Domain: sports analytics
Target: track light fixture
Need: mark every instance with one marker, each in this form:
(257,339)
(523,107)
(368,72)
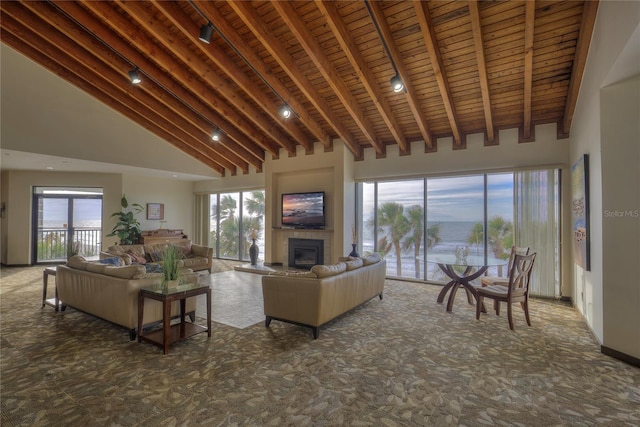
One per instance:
(134,75)
(285,111)
(216,135)
(206,31)
(396,84)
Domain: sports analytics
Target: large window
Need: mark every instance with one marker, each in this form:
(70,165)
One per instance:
(236,219)
(472,214)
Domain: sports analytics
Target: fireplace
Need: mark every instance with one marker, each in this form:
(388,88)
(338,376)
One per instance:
(305,253)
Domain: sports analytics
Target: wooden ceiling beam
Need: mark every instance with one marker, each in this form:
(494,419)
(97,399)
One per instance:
(529,27)
(176,15)
(313,49)
(589,11)
(231,36)
(377,15)
(150,95)
(52,48)
(431,41)
(252,20)
(482,68)
(251,144)
(363,72)
(138,12)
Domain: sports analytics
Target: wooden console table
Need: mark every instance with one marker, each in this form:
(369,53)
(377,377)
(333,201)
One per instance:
(162,235)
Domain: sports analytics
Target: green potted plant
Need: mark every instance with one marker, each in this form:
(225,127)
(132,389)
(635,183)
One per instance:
(128,228)
(170,258)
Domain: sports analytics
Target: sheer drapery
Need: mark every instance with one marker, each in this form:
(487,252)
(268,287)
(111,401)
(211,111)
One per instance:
(202,220)
(536,226)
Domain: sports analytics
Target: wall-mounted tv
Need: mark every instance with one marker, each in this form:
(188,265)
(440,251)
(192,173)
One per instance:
(303,210)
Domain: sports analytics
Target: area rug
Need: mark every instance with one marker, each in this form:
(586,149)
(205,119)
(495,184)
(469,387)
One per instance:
(236,299)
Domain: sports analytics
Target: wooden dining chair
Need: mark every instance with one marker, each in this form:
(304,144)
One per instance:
(517,289)
(500,280)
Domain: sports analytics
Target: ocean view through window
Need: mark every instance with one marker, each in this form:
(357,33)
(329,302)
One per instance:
(406,220)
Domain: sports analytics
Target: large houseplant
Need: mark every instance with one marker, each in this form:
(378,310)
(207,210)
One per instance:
(128,228)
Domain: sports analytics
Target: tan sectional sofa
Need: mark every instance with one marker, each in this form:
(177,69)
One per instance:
(195,257)
(316,297)
(111,293)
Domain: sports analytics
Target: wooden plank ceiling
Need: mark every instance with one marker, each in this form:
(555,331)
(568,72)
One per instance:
(468,67)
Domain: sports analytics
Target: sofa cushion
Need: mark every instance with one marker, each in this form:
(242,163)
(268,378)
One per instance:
(96,267)
(126,272)
(354,264)
(371,259)
(153,256)
(113,261)
(78,262)
(294,273)
(329,270)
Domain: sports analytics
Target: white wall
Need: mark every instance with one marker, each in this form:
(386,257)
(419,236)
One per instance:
(17,191)
(616,24)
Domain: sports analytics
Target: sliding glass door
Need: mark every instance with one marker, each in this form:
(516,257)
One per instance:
(408,220)
(66,221)
(235,219)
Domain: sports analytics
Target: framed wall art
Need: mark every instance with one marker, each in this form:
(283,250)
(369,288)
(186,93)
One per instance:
(155,211)
(580,212)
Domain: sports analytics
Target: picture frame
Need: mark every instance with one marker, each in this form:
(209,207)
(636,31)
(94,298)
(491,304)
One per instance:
(580,212)
(155,211)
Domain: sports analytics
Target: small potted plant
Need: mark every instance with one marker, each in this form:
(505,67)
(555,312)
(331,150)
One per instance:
(170,260)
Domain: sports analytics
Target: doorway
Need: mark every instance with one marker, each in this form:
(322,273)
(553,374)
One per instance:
(66,221)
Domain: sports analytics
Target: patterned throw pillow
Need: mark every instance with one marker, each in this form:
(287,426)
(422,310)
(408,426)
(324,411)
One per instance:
(113,261)
(139,259)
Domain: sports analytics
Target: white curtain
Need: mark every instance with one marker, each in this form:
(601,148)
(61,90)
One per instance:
(202,220)
(536,222)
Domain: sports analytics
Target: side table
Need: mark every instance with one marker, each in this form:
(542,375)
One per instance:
(53,302)
(170,334)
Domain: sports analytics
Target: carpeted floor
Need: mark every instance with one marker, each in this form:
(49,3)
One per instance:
(402,361)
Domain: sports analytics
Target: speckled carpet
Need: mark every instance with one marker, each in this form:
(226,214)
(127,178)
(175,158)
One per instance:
(402,361)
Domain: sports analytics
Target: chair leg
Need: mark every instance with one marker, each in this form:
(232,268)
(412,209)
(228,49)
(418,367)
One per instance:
(496,306)
(509,315)
(525,306)
(479,305)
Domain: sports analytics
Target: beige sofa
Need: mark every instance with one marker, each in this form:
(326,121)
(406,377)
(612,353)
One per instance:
(314,298)
(195,257)
(111,293)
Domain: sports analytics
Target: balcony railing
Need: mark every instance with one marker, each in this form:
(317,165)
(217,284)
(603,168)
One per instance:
(53,243)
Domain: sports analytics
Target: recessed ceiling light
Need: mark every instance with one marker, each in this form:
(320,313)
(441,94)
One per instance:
(49,167)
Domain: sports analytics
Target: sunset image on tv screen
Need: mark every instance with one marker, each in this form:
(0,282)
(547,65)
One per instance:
(303,209)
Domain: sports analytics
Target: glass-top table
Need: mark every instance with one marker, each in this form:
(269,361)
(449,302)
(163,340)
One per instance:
(451,264)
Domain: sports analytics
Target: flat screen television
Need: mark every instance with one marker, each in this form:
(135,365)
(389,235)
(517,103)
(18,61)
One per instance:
(303,210)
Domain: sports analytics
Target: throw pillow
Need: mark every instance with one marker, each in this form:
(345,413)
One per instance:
(153,268)
(139,259)
(114,261)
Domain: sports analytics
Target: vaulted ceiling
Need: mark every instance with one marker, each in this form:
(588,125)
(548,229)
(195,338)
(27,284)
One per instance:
(468,67)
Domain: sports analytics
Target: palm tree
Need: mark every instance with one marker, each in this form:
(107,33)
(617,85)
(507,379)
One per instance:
(393,226)
(255,204)
(229,227)
(500,235)
(433,235)
(415,215)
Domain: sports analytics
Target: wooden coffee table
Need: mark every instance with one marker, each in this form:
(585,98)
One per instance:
(170,334)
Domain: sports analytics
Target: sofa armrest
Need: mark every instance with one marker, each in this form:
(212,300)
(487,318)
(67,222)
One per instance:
(203,251)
